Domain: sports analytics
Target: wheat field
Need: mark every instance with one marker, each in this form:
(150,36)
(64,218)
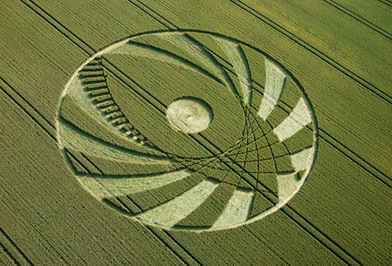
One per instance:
(227,132)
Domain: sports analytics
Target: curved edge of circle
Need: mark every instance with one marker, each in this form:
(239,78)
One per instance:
(273,209)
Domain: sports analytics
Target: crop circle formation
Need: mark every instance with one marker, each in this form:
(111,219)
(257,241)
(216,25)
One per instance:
(189,115)
(187,130)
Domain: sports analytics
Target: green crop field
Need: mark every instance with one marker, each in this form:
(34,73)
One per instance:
(227,132)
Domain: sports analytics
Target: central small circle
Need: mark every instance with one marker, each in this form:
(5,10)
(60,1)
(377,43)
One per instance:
(189,115)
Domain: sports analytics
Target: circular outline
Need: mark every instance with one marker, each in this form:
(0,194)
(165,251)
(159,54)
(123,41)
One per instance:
(295,80)
(198,101)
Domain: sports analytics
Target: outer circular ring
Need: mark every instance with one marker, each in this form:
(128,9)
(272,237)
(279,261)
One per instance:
(287,72)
